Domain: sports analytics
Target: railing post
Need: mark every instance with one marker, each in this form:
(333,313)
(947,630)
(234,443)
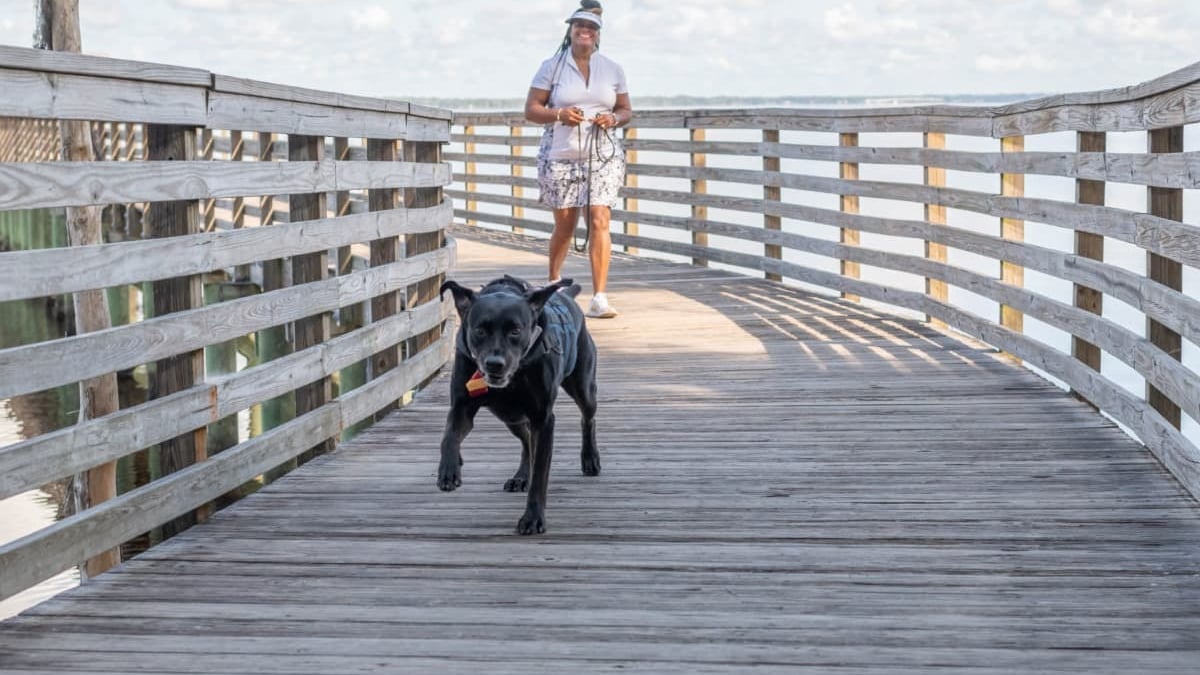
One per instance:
(383,252)
(1088,245)
(468,171)
(1165,203)
(772,194)
(174,374)
(350,317)
(935,214)
(515,151)
(416,244)
(699,187)
(307,268)
(274,342)
(630,204)
(849,204)
(1012,185)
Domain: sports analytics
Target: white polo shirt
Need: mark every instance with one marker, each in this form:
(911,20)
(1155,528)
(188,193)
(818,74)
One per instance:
(595,96)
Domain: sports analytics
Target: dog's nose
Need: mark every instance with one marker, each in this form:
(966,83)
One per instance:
(494,365)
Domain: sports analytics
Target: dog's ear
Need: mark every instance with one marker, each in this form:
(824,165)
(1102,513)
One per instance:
(520,283)
(537,299)
(463,297)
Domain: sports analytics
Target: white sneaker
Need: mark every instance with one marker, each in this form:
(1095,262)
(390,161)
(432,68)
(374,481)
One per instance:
(599,308)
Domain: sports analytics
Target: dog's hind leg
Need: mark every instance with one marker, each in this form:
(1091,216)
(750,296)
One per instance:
(581,387)
(520,479)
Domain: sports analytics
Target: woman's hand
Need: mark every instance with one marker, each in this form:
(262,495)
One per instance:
(571,117)
(606,120)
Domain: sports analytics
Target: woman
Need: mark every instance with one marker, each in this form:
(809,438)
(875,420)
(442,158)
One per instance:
(581,96)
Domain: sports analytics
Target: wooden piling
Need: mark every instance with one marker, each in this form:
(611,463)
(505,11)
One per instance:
(383,252)
(170,219)
(308,268)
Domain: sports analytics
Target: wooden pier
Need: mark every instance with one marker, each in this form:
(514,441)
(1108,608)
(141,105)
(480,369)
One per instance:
(791,484)
(828,445)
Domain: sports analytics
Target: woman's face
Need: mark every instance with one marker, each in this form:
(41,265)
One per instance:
(585,34)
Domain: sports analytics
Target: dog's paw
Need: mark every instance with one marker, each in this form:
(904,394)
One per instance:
(518,483)
(531,523)
(591,463)
(449,476)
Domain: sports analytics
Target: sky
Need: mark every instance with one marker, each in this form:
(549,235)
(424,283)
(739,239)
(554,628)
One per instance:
(489,49)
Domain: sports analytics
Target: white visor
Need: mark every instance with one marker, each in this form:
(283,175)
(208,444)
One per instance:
(584,15)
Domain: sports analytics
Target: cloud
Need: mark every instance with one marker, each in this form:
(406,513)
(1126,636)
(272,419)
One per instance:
(1009,63)
(371,17)
(205,5)
(845,23)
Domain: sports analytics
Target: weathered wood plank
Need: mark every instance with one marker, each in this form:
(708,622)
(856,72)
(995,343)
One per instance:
(270,90)
(49,184)
(239,111)
(74,64)
(37,366)
(40,272)
(46,552)
(82,97)
(895,529)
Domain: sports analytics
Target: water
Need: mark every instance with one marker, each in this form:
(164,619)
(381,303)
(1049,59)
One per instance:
(21,515)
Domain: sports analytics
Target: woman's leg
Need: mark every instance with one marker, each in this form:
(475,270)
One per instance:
(560,239)
(601,247)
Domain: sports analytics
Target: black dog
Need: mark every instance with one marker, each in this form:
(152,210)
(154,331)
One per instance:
(515,347)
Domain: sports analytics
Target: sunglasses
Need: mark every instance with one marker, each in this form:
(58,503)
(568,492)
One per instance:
(586,25)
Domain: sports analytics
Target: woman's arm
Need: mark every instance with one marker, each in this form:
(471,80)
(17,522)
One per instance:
(537,112)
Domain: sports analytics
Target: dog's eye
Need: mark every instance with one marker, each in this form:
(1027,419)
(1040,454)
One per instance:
(479,332)
(515,332)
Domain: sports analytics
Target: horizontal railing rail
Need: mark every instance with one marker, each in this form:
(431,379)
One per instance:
(939,210)
(271,257)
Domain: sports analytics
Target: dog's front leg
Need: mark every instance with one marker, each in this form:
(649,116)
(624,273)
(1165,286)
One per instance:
(520,479)
(459,422)
(542,436)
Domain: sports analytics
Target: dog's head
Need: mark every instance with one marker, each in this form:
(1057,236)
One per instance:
(500,323)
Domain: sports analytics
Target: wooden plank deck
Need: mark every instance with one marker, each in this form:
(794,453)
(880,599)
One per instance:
(791,484)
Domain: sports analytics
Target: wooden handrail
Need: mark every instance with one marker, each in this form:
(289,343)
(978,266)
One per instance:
(263,230)
(779,223)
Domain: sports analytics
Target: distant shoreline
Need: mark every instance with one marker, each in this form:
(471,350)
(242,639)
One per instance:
(662,102)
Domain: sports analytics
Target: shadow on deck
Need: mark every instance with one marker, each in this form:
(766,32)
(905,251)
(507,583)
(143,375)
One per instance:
(791,484)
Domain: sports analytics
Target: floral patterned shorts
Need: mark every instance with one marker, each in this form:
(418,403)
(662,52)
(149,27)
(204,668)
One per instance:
(563,183)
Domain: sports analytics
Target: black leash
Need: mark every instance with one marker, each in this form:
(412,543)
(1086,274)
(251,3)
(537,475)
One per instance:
(592,148)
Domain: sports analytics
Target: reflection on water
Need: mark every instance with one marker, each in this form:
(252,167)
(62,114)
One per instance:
(21,417)
(19,516)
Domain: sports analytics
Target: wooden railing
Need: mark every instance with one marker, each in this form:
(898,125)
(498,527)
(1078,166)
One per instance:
(926,209)
(259,239)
